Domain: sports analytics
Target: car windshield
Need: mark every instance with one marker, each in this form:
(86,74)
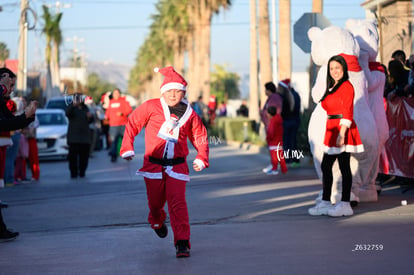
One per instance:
(57,104)
(51,119)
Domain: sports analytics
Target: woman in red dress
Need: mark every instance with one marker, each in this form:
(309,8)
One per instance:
(341,138)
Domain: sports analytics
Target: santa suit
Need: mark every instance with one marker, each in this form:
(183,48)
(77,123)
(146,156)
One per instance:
(339,107)
(166,181)
(274,139)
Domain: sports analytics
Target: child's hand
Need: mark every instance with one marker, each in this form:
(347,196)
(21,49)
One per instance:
(198,165)
(128,158)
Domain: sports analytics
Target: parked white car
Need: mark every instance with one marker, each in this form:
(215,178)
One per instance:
(51,133)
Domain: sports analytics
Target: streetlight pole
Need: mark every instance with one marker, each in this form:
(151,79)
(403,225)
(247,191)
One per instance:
(274,44)
(22,56)
(75,39)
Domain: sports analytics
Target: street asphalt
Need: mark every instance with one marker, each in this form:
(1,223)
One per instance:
(242,222)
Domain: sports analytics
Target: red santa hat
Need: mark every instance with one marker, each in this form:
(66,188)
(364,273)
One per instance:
(285,83)
(172,79)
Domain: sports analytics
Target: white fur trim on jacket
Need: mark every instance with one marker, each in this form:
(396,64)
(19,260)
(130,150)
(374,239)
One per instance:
(149,175)
(128,154)
(345,122)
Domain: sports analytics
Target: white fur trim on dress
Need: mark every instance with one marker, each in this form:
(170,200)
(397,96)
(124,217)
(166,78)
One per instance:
(172,86)
(345,122)
(128,154)
(347,148)
(200,164)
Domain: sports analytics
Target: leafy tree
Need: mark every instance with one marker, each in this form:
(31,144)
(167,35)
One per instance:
(4,53)
(180,28)
(96,86)
(53,33)
(224,84)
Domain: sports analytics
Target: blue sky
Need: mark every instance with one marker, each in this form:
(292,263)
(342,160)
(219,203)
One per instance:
(111,30)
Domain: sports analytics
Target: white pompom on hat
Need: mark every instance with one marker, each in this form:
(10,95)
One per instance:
(172,80)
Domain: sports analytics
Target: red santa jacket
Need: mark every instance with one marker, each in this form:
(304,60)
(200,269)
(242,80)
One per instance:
(341,105)
(274,132)
(152,114)
(116,106)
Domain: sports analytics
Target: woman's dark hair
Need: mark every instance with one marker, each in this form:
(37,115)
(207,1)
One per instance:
(330,82)
(399,55)
(270,86)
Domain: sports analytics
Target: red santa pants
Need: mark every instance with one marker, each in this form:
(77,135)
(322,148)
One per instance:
(172,191)
(276,157)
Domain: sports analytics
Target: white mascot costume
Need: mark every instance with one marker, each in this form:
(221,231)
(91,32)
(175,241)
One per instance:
(326,43)
(366,34)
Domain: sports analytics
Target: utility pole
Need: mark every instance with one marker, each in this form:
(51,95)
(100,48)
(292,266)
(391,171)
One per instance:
(75,40)
(275,57)
(317,7)
(22,56)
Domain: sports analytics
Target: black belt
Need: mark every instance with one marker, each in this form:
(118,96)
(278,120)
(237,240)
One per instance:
(166,162)
(335,116)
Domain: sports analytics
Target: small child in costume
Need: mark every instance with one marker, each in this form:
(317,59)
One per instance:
(274,138)
(168,121)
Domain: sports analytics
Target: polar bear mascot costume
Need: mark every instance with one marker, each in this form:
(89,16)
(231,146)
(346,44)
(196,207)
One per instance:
(366,34)
(326,43)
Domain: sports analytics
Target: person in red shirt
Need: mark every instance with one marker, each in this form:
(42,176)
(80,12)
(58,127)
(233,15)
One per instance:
(169,122)
(117,114)
(274,138)
(340,140)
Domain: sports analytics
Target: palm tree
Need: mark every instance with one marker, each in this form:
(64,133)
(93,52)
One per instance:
(4,54)
(254,87)
(57,41)
(201,12)
(51,30)
(285,44)
(264,47)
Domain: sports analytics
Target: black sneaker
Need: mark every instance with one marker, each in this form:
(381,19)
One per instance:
(3,205)
(162,232)
(8,235)
(182,249)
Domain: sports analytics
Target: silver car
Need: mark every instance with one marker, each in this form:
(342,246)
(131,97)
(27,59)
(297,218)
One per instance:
(51,133)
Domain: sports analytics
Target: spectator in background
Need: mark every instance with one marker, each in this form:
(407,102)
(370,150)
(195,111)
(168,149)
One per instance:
(291,119)
(7,81)
(117,114)
(105,98)
(78,136)
(30,132)
(243,110)
(8,122)
(273,99)
(212,107)
(23,150)
(201,109)
(274,139)
(222,109)
(398,75)
(409,88)
(13,149)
